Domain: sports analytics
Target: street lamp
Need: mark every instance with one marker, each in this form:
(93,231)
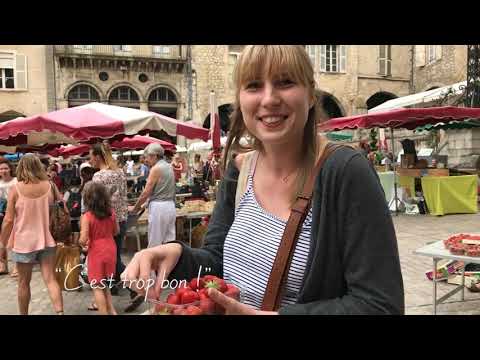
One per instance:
(472,98)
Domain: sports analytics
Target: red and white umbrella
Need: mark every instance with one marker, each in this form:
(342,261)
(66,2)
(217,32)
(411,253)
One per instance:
(135,143)
(90,121)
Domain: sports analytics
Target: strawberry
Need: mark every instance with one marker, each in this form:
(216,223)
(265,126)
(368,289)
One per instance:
(181,289)
(207,305)
(233,292)
(189,297)
(196,284)
(203,291)
(216,283)
(173,299)
(193,310)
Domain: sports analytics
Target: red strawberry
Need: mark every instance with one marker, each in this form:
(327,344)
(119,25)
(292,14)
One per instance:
(203,291)
(193,310)
(181,289)
(233,292)
(189,297)
(216,283)
(196,284)
(207,305)
(173,299)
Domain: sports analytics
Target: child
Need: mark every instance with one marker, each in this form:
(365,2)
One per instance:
(98,227)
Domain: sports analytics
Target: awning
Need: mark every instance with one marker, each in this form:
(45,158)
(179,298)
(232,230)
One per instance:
(339,136)
(422,98)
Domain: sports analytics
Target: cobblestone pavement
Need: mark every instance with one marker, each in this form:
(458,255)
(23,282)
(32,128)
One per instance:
(412,233)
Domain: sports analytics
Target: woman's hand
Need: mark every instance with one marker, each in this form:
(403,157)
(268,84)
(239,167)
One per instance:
(234,307)
(161,259)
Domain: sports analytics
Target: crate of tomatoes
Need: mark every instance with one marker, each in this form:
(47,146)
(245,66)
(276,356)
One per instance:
(192,298)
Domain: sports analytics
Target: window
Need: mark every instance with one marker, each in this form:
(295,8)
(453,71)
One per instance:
(161,49)
(83,47)
(434,53)
(232,60)
(83,92)
(162,94)
(121,48)
(124,93)
(312,50)
(333,58)
(385,60)
(13,71)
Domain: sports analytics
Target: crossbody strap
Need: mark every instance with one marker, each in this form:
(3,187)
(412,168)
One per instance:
(281,265)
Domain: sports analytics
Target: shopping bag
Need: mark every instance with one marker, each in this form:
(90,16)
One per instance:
(68,267)
(60,222)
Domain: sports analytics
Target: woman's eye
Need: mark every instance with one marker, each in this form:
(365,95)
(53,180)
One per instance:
(285,83)
(252,85)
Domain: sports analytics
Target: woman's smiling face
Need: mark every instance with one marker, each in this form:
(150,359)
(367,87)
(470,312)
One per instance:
(275,109)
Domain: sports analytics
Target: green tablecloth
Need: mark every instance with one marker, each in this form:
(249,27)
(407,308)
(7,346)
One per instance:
(407,182)
(387,180)
(450,194)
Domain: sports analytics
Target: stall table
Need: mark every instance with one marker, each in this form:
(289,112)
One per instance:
(438,252)
(387,180)
(450,194)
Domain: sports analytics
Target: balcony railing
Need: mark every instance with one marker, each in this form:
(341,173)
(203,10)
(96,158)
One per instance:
(174,52)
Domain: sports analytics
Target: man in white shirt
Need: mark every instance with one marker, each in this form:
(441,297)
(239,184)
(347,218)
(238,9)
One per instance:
(130,164)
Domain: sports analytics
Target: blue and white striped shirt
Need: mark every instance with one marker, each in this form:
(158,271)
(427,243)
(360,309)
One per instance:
(251,246)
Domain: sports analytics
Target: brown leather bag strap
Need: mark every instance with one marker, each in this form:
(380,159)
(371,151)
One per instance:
(281,265)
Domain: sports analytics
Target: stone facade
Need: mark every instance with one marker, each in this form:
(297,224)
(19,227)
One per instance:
(32,97)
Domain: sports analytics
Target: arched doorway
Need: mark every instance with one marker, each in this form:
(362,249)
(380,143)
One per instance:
(330,105)
(224,112)
(163,101)
(124,96)
(82,94)
(379,98)
(10,115)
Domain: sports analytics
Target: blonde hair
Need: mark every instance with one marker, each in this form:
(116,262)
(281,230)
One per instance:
(269,61)
(103,150)
(31,170)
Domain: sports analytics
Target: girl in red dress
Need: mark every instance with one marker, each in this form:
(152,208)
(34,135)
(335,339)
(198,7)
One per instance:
(98,227)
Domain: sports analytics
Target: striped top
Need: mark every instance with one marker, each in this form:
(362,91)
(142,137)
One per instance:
(251,246)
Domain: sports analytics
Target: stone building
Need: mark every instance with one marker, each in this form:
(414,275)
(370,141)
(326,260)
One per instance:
(26,80)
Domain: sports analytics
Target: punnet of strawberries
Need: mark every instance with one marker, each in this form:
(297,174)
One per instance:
(457,244)
(192,298)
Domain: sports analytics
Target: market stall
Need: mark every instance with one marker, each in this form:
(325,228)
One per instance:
(405,119)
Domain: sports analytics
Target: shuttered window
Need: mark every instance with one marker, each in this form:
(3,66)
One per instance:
(385,60)
(333,58)
(13,71)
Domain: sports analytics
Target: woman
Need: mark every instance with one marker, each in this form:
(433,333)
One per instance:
(160,193)
(197,168)
(26,228)
(114,179)
(7,180)
(346,258)
(177,167)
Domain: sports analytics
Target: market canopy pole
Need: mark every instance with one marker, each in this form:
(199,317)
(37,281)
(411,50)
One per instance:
(214,123)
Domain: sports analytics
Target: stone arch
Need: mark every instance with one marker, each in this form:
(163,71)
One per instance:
(330,105)
(224,112)
(165,85)
(432,86)
(141,98)
(83,82)
(10,115)
(379,98)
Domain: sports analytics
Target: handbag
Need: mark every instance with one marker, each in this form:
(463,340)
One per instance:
(68,267)
(59,223)
(283,259)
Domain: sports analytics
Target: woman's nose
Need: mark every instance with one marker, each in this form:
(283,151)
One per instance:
(270,96)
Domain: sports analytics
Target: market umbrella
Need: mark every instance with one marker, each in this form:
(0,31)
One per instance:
(402,118)
(135,143)
(89,122)
(452,125)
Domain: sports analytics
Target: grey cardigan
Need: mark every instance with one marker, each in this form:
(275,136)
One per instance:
(353,266)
